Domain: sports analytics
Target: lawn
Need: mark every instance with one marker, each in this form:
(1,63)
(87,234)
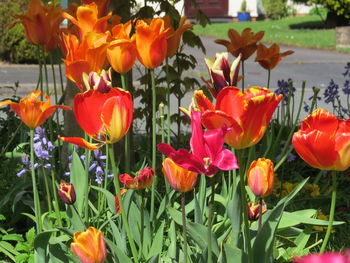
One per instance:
(304,31)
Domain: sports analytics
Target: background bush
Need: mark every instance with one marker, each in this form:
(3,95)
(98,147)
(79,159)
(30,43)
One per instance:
(275,9)
(13,45)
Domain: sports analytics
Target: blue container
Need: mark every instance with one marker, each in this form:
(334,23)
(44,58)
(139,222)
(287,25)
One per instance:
(243,16)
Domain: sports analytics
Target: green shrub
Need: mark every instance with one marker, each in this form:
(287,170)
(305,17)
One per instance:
(320,11)
(14,47)
(275,9)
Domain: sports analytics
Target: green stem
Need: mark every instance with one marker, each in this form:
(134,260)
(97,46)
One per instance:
(154,139)
(106,176)
(184,228)
(268,78)
(78,214)
(124,81)
(47,191)
(35,190)
(331,212)
(210,219)
(168,99)
(55,197)
(142,218)
(87,164)
(121,204)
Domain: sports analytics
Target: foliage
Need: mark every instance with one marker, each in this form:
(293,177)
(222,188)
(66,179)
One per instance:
(275,9)
(13,45)
(243,6)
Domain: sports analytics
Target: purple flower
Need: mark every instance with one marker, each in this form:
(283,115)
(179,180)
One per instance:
(283,88)
(346,88)
(347,70)
(331,93)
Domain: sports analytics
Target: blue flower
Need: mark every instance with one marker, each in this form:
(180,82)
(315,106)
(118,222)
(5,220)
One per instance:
(331,92)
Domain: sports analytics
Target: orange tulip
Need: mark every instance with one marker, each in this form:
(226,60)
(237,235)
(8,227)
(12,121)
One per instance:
(101,4)
(143,180)
(83,57)
(246,43)
(323,141)
(269,57)
(179,179)
(261,177)
(121,52)
(41,24)
(247,114)
(173,41)
(151,42)
(104,116)
(87,19)
(89,246)
(33,112)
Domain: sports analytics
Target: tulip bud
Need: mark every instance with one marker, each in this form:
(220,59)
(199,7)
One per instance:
(143,180)
(261,177)
(66,193)
(253,210)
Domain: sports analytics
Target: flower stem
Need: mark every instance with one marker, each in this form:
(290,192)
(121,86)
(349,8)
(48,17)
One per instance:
(35,190)
(268,78)
(331,212)
(78,214)
(87,164)
(210,219)
(260,214)
(154,139)
(55,197)
(242,75)
(184,228)
(121,204)
(49,204)
(168,99)
(127,137)
(141,223)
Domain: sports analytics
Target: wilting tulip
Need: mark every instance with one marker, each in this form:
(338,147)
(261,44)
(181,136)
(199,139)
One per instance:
(323,141)
(116,200)
(328,257)
(269,57)
(245,44)
(121,52)
(33,112)
(221,74)
(253,210)
(143,180)
(174,36)
(89,246)
(208,154)
(83,57)
(66,192)
(247,114)
(261,177)
(180,179)
(104,116)
(41,24)
(87,19)
(151,42)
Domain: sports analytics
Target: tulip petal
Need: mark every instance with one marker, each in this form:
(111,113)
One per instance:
(81,142)
(225,160)
(197,140)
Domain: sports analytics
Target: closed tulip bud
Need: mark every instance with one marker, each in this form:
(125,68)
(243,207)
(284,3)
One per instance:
(253,210)
(66,193)
(261,177)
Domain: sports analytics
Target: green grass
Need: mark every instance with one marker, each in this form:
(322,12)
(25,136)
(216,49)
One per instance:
(304,31)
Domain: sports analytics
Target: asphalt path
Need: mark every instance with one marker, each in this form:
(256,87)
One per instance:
(316,67)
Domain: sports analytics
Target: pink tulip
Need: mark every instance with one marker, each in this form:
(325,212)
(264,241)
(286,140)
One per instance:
(208,155)
(329,257)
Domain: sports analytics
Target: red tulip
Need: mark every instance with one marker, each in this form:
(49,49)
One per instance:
(143,180)
(323,141)
(253,210)
(66,192)
(247,114)
(208,154)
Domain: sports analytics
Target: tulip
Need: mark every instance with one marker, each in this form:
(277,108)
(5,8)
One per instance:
(180,179)
(89,246)
(83,57)
(208,154)
(41,24)
(33,112)
(329,257)
(101,82)
(221,74)
(253,210)
(261,177)
(174,36)
(104,116)
(66,192)
(246,114)
(102,5)
(116,200)
(245,44)
(323,141)
(121,52)
(143,180)
(268,58)
(151,42)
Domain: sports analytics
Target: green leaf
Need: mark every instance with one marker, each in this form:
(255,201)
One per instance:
(157,244)
(119,238)
(41,243)
(58,253)
(8,250)
(12,237)
(109,196)
(120,254)
(77,173)
(172,235)
(234,254)
(234,212)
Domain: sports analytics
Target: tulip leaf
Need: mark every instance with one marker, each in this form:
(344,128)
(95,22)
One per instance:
(119,238)
(109,196)
(77,173)
(157,244)
(41,243)
(163,204)
(234,254)
(116,250)
(234,211)
(263,244)
(58,253)
(172,235)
